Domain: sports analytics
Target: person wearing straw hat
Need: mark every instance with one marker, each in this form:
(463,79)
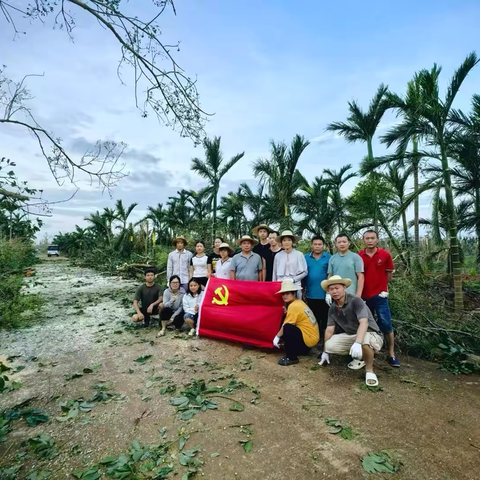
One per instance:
(299,331)
(361,337)
(246,265)
(263,249)
(178,262)
(290,264)
(224,263)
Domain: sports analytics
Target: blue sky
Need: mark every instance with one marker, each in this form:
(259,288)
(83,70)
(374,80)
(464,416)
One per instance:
(267,70)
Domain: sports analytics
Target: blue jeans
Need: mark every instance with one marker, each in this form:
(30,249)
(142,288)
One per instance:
(384,317)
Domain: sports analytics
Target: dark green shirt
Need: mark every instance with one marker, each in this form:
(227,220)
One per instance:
(147,295)
(347,317)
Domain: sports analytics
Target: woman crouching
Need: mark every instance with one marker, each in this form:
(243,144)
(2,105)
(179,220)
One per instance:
(300,330)
(191,304)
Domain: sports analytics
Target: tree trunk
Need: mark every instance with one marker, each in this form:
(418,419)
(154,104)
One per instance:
(215,193)
(374,193)
(416,207)
(452,228)
(405,234)
(477,215)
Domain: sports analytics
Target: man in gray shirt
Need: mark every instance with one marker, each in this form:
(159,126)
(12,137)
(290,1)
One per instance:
(246,265)
(360,337)
(346,264)
(178,262)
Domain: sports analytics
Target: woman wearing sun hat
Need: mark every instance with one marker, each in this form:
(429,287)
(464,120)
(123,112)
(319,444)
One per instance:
(224,263)
(300,330)
(290,264)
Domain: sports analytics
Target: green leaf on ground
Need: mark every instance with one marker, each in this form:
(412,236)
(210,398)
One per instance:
(169,389)
(379,462)
(39,475)
(216,454)
(247,445)
(143,359)
(71,376)
(237,407)
(376,388)
(188,414)
(43,446)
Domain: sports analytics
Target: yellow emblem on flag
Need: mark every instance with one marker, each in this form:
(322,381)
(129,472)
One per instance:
(222,293)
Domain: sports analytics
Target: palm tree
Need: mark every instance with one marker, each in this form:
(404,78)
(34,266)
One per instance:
(280,175)
(335,181)
(361,126)
(213,170)
(231,209)
(101,225)
(316,207)
(122,214)
(431,124)
(258,203)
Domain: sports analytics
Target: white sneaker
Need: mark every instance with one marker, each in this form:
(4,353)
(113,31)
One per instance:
(191,333)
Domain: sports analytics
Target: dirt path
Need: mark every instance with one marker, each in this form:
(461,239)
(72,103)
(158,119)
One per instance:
(427,419)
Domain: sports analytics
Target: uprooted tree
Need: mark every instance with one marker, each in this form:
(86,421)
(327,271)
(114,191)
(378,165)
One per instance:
(166,90)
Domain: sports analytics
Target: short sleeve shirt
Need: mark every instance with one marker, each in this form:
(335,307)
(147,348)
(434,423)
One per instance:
(376,268)
(199,265)
(300,315)
(317,272)
(247,268)
(147,295)
(223,268)
(347,266)
(212,260)
(348,315)
(265,252)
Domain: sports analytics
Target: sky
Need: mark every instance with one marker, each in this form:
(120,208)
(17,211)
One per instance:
(266,70)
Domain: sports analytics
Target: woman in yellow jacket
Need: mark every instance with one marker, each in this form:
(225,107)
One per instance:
(300,330)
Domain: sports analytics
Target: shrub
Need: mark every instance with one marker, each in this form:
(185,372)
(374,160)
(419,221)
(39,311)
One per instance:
(15,255)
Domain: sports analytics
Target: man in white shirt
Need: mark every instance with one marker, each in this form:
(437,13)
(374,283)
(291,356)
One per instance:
(178,262)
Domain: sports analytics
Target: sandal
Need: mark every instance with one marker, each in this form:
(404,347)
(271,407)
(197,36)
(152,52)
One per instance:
(161,333)
(369,377)
(356,364)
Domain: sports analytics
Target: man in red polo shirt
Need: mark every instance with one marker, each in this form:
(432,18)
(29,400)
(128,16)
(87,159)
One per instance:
(378,266)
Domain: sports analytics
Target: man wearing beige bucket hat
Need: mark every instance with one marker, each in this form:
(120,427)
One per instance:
(178,262)
(361,338)
(290,264)
(246,265)
(299,331)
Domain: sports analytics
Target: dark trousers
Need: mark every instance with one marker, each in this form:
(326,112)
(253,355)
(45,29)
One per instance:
(320,309)
(294,344)
(146,320)
(166,314)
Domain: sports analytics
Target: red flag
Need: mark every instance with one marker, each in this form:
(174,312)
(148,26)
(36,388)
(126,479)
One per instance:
(246,312)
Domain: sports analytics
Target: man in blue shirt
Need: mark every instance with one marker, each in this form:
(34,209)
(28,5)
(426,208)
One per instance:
(317,264)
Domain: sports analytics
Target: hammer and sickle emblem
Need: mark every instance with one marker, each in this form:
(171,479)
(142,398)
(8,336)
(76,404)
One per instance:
(223,297)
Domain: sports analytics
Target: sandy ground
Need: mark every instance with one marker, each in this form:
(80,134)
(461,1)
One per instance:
(427,419)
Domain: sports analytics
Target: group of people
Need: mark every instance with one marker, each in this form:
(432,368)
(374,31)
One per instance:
(330,300)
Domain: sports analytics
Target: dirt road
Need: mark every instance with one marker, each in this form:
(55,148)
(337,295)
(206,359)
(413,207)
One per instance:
(428,420)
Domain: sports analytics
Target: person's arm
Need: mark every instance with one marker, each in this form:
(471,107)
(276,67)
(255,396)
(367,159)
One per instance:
(274,274)
(360,283)
(159,299)
(362,330)
(180,308)
(329,331)
(169,267)
(330,267)
(264,270)
(137,308)
(302,268)
(233,269)
(191,268)
(209,270)
(389,268)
